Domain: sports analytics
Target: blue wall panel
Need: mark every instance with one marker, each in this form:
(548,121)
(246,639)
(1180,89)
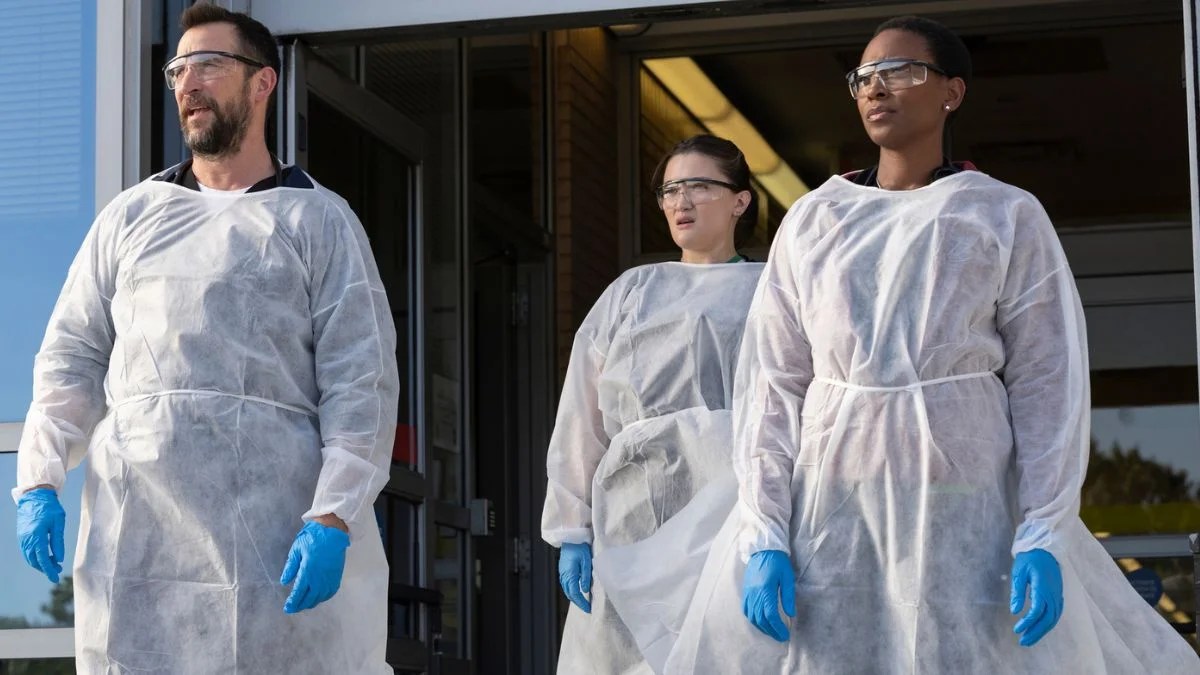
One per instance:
(47,171)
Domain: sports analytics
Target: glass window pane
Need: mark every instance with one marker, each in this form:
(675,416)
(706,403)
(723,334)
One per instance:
(399,526)
(446,466)
(29,599)
(344,58)
(505,127)
(1167,584)
(38,667)
(418,78)
(374,179)
(1144,471)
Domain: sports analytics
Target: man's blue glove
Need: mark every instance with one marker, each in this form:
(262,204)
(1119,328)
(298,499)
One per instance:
(769,576)
(40,525)
(315,562)
(1037,570)
(575,573)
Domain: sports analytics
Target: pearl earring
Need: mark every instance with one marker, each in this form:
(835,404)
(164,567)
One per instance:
(947,106)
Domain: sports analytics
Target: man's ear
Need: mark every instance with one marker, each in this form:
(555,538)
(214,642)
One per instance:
(266,81)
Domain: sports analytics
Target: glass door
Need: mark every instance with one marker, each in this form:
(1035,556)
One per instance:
(357,144)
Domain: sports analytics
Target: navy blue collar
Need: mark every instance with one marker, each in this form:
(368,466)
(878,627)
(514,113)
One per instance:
(870,177)
(289,176)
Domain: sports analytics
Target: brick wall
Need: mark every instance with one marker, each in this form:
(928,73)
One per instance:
(585,178)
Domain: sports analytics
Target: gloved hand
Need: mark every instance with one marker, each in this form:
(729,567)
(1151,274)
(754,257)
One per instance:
(1037,570)
(769,576)
(575,573)
(315,562)
(41,521)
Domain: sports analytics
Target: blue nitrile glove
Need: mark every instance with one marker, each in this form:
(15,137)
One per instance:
(315,562)
(769,576)
(40,525)
(1037,570)
(575,573)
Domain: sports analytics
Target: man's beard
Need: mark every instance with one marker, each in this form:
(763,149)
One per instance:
(224,135)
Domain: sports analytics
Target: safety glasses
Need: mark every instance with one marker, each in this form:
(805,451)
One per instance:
(893,74)
(696,190)
(205,65)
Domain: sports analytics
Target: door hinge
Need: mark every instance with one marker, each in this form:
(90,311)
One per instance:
(520,308)
(522,552)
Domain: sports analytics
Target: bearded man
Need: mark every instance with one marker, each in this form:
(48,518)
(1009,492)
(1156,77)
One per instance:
(224,356)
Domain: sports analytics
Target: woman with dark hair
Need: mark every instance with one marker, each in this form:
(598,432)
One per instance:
(638,466)
(911,425)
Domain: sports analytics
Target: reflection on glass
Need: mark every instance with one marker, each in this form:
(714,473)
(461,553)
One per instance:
(417,78)
(1144,470)
(447,578)
(373,178)
(38,667)
(504,117)
(446,465)
(1165,583)
(29,600)
(342,57)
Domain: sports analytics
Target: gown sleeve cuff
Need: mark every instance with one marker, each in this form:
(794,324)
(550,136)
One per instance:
(1035,535)
(757,535)
(347,486)
(569,535)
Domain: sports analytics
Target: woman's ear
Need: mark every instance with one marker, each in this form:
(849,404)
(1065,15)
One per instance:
(741,203)
(956,90)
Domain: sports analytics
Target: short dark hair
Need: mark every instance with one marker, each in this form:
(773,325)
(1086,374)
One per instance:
(950,54)
(256,40)
(730,161)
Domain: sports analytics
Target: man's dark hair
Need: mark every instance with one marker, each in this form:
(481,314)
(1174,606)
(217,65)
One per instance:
(256,41)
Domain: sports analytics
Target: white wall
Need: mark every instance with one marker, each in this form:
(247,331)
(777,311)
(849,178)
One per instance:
(291,17)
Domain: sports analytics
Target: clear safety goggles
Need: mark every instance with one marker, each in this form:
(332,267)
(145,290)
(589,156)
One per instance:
(696,190)
(893,74)
(205,65)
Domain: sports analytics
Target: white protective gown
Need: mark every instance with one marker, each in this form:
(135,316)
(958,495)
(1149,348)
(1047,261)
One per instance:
(639,463)
(228,365)
(913,410)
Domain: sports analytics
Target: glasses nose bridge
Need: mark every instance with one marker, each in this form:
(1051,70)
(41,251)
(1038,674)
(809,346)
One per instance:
(867,86)
(675,199)
(684,193)
(875,84)
(184,73)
